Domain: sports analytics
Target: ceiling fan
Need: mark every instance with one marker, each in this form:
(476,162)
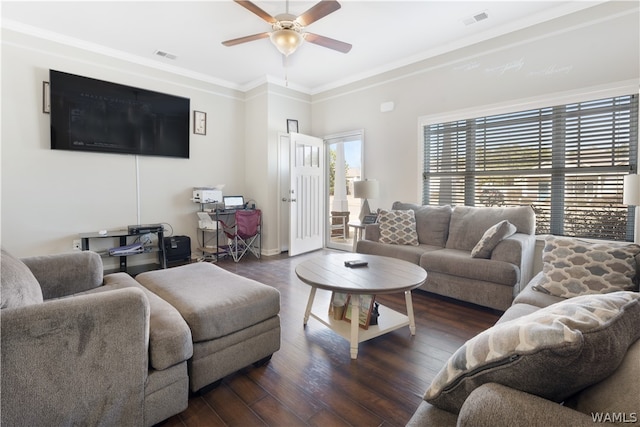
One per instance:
(288,31)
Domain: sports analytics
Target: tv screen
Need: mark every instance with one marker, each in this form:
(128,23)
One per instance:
(94,115)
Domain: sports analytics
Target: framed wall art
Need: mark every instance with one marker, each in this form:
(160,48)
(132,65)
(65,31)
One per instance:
(199,123)
(292,126)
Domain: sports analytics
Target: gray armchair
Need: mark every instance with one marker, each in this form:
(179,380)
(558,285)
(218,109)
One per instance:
(76,351)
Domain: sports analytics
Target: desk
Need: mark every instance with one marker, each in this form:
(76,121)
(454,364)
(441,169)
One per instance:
(227,217)
(122,235)
(358,232)
(383,275)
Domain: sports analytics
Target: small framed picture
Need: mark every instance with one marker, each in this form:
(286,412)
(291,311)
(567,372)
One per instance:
(199,123)
(292,126)
(46,100)
(366,307)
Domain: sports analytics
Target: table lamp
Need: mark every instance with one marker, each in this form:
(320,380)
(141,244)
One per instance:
(367,189)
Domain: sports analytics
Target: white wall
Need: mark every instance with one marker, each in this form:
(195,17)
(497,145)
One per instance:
(49,196)
(598,47)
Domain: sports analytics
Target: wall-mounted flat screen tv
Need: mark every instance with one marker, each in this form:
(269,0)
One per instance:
(95,115)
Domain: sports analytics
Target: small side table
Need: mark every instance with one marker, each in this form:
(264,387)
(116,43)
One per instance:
(358,232)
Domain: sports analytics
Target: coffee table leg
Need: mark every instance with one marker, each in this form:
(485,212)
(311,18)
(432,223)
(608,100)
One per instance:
(412,320)
(307,312)
(355,320)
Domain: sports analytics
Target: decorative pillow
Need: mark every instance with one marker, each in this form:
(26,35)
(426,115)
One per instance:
(19,287)
(398,227)
(553,352)
(491,238)
(573,267)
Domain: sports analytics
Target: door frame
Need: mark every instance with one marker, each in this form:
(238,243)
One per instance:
(327,141)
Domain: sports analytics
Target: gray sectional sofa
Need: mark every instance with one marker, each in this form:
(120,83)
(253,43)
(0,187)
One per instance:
(555,361)
(446,237)
(80,348)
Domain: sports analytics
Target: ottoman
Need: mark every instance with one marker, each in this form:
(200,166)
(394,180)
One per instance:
(234,321)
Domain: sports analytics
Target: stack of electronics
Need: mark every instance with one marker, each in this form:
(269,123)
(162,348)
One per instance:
(134,248)
(145,228)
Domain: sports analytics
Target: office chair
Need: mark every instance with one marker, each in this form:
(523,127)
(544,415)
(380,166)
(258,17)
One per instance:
(244,234)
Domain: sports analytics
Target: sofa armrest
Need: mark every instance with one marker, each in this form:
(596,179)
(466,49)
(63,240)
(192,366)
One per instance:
(517,249)
(66,274)
(495,405)
(76,361)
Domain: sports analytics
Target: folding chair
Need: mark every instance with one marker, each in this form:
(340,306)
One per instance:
(244,234)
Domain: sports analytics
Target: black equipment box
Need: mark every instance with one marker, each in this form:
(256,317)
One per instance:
(145,228)
(177,248)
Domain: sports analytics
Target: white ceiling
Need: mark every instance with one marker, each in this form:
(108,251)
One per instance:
(384,34)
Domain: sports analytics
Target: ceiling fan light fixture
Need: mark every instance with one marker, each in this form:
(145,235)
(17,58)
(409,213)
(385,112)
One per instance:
(286,41)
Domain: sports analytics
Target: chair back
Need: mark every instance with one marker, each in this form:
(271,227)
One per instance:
(247,222)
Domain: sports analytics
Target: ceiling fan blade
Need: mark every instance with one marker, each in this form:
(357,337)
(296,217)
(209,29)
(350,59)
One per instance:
(255,9)
(245,39)
(328,42)
(320,10)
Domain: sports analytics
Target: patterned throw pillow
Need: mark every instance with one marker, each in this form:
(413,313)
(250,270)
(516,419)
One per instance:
(491,238)
(553,352)
(398,227)
(573,267)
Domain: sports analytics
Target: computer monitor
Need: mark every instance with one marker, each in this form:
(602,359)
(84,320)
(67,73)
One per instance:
(233,202)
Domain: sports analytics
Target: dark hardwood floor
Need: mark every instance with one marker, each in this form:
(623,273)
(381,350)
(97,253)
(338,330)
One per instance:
(311,380)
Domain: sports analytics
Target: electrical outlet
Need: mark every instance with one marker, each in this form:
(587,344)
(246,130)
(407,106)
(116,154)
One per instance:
(77,245)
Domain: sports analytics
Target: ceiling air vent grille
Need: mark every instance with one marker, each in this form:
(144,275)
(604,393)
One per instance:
(165,54)
(475,18)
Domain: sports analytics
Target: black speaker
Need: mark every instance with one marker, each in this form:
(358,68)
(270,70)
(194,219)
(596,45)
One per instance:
(177,248)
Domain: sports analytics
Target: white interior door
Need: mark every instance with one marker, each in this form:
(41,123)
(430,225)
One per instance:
(306,194)
(284,187)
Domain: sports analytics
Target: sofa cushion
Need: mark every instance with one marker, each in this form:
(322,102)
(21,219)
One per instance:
(573,267)
(532,297)
(554,352)
(490,239)
(469,223)
(616,394)
(460,264)
(432,222)
(214,302)
(403,252)
(398,227)
(18,285)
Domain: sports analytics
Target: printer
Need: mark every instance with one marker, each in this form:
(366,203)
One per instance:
(206,195)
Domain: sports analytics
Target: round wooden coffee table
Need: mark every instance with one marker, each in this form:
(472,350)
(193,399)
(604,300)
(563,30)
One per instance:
(382,275)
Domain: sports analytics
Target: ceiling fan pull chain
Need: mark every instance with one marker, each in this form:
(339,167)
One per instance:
(286,71)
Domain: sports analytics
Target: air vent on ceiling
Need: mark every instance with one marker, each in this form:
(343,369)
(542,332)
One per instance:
(476,18)
(165,54)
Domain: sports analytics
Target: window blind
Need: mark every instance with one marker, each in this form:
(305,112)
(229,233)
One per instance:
(566,161)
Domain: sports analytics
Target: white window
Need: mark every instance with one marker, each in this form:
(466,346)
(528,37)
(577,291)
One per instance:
(567,162)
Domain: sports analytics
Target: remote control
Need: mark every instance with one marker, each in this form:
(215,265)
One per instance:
(355,263)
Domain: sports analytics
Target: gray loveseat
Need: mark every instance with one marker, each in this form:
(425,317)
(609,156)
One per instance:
(592,369)
(446,238)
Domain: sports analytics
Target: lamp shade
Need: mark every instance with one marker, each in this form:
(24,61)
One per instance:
(287,41)
(367,189)
(631,193)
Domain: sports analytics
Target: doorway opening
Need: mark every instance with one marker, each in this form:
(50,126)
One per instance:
(344,166)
